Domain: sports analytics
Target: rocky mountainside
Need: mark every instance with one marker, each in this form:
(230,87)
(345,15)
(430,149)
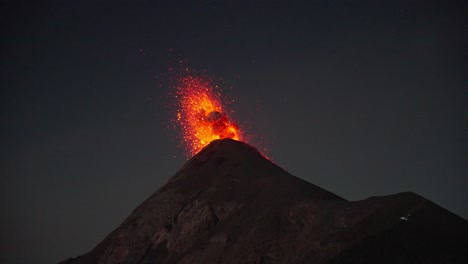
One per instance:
(229,204)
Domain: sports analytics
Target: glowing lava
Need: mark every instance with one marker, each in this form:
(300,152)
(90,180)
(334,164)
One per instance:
(200,113)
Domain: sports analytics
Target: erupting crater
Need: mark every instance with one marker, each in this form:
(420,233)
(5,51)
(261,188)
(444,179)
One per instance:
(201,114)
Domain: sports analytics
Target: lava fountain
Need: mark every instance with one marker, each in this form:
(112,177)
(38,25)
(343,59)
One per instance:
(200,113)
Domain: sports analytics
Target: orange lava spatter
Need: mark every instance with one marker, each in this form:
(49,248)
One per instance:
(200,113)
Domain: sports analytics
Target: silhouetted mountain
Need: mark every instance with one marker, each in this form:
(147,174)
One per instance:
(228,204)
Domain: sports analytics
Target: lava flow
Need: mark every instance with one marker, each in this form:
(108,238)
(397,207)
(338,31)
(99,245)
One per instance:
(200,113)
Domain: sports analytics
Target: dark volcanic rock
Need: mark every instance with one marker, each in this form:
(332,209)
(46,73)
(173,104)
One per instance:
(228,204)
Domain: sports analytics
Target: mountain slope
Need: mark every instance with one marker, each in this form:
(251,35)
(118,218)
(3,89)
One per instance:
(228,204)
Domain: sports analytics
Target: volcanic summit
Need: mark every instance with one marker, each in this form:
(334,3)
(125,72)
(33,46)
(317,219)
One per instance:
(229,204)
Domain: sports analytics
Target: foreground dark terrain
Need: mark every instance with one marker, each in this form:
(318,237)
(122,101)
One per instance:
(228,204)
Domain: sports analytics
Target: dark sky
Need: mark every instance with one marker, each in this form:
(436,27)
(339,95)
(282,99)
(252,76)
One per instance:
(361,99)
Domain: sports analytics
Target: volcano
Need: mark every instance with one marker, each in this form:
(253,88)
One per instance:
(229,204)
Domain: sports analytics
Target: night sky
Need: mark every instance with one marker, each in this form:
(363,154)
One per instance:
(361,99)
